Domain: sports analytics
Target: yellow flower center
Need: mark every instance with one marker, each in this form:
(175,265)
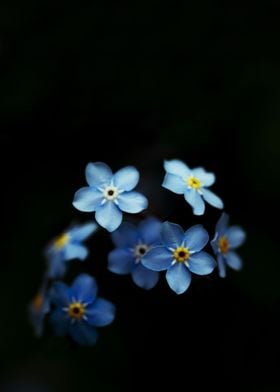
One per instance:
(194,182)
(76,310)
(181,254)
(61,241)
(223,244)
(37,302)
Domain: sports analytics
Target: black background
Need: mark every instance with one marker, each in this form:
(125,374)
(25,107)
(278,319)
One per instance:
(134,84)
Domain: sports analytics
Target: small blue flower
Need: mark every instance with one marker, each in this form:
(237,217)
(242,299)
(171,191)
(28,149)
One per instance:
(68,246)
(38,309)
(192,183)
(227,239)
(78,312)
(180,255)
(132,243)
(109,194)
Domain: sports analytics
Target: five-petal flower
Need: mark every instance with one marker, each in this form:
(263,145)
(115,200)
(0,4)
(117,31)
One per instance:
(109,194)
(192,183)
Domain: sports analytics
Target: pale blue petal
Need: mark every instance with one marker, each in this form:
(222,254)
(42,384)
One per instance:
(126,179)
(126,236)
(83,333)
(75,251)
(178,278)
(177,167)
(157,259)
(233,261)
(84,288)
(222,224)
(195,200)
(149,230)
(201,263)
(87,199)
(206,178)
(144,278)
(132,202)
(212,199)
(98,174)
(121,261)
(82,232)
(221,266)
(60,294)
(236,236)
(214,243)
(60,322)
(196,238)
(174,183)
(109,216)
(172,235)
(100,313)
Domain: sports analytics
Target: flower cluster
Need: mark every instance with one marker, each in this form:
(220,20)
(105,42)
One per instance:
(142,250)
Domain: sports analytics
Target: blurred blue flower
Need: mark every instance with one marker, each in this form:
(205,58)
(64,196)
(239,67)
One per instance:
(68,246)
(132,243)
(192,183)
(227,239)
(180,255)
(109,194)
(38,309)
(78,311)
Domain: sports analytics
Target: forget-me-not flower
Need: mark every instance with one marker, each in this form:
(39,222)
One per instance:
(68,246)
(180,255)
(225,241)
(78,312)
(38,309)
(192,183)
(132,243)
(109,194)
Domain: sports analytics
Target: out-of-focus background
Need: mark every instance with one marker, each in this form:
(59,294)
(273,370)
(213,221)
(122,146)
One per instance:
(137,83)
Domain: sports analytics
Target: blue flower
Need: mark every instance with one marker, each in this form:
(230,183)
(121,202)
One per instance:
(78,311)
(180,255)
(68,246)
(227,239)
(193,184)
(132,243)
(109,194)
(38,309)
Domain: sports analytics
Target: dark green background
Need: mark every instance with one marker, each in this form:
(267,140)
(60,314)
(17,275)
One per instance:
(136,83)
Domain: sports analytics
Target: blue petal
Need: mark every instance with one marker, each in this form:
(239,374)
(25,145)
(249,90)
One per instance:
(236,236)
(75,251)
(172,235)
(174,183)
(214,244)
(132,202)
(100,313)
(98,174)
(212,199)
(178,278)
(60,294)
(222,224)
(206,178)
(196,238)
(120,261)
(83,333)
(195,200)
(233,261)
(157,259)
(149,230)
(126,179)
(126,236)
(56,265)
(82,232)
(109,216)
(221,266)
(177,167)
(60,322)
(87,199)
(201,263)
(144,278)
(84,289)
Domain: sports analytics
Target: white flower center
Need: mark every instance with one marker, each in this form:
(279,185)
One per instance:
(110,193)
(139,251)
